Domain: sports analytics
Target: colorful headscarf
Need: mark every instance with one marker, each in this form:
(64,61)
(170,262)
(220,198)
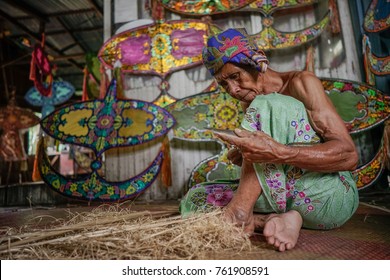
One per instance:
(233,45)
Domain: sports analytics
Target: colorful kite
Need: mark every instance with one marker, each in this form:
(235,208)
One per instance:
(12,120)
(157,49)
(203,7)
(374,65)
(62,91)
(41,71)
(100,125)
(377,17)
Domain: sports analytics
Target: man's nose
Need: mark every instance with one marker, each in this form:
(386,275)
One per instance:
(233,88)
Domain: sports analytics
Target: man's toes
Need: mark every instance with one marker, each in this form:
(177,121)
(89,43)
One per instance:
(282,247)
(289,246)
(271,240)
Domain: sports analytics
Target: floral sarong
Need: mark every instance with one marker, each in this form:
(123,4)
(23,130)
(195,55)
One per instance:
(324,200)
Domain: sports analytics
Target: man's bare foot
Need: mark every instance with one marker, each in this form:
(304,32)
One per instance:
(282,230)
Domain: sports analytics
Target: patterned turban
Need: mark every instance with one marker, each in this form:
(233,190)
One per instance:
(233,45)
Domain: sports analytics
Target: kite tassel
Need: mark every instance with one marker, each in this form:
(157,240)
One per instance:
(84,96)
(310,59)
(36,175)
(334,18)
(166,171)
(386,141)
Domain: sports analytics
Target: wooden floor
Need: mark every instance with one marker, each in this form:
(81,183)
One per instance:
(365,237)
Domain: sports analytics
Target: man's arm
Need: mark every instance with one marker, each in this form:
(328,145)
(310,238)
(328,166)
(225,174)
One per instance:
(338,151)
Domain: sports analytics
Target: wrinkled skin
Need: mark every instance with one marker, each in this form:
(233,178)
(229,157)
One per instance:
(336,153)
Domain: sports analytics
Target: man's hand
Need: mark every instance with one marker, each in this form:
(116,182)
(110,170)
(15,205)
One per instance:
(253,146)
(234,155)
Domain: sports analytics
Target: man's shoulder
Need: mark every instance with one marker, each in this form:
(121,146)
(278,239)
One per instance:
(306,87)
(303,76)
(303,81)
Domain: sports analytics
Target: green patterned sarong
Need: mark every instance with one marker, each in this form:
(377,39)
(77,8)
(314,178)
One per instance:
(324,200)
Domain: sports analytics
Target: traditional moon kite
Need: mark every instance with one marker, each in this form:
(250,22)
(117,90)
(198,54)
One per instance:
(100,125)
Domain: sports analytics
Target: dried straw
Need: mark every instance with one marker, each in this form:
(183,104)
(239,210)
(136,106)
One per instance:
(114,233)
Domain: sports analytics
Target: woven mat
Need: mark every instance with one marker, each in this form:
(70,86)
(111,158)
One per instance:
(365,237)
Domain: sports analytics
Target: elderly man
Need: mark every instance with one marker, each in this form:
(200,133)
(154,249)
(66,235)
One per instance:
(294,150)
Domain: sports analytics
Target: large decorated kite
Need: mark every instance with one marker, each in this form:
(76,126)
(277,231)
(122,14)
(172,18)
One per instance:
(203,7)
(100,125)
(377,17)
(159,49)
(269,38)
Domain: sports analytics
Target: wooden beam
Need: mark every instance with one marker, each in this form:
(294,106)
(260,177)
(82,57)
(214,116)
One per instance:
(17,61)
(68,47)
(71,12)
(26,59)
(96,7)
(63,13)
(62,31)
(66,57)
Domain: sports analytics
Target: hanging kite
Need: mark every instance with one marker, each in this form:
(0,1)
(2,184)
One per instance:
(100,125)
(377,17)
(374,65)
(197,113)
(203,7)
(41,71)
(367,106)
(267,7)
(269,38)
(157,49)
(62,91)
(209,7)
(195,116)
(12,120)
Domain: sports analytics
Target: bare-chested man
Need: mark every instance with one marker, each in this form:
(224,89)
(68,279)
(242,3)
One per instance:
(294,150)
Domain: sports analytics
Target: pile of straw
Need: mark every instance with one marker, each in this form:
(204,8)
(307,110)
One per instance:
(113,233)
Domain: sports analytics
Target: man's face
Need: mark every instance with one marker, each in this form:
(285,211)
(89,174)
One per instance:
(239,82)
